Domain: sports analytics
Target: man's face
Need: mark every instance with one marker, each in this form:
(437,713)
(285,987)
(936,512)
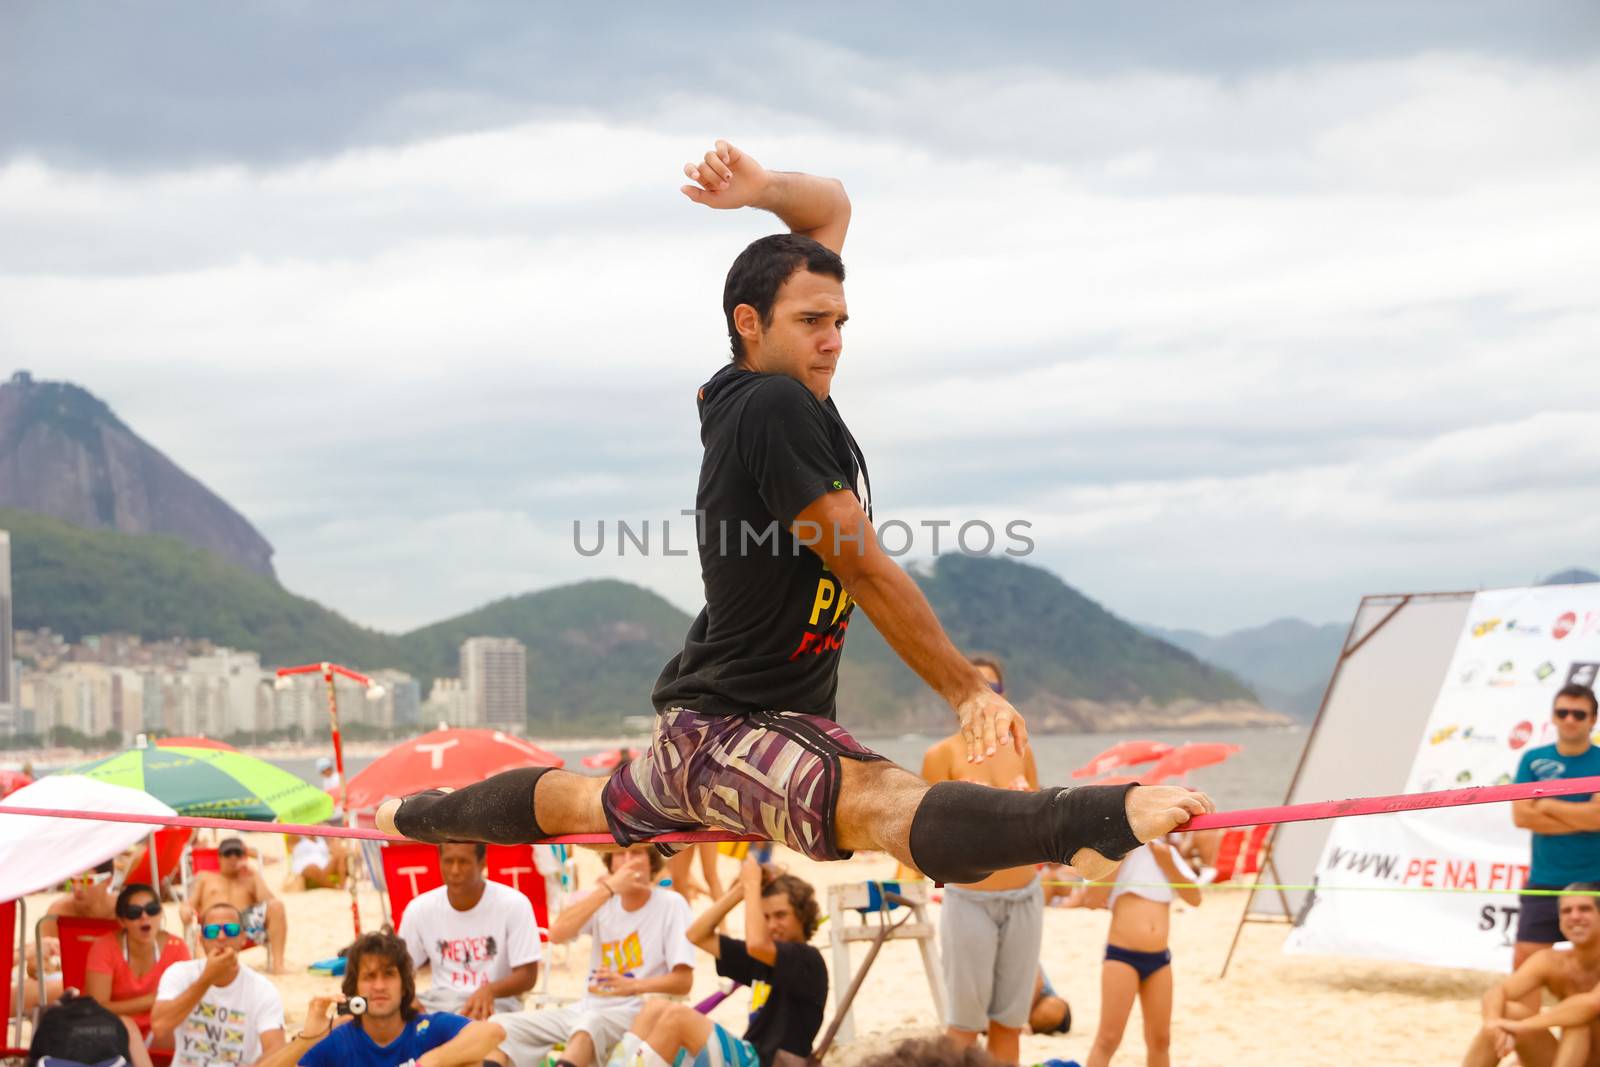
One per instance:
(782,923)
(379,981)
(637,859)
(804,340)
(219,921)
(460,866)
(1578,917)
(1572,718)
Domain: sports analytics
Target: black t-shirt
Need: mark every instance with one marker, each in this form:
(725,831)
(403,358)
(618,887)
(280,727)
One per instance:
(787,998)
(775,618)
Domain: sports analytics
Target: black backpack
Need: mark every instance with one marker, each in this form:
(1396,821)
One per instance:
(79,1029)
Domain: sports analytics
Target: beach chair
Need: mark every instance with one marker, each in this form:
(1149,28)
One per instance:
(1241,852)
(1255,850)
(76,936)
(879,899)
(515,866)
(10,1039)
(408,871)
(170,843)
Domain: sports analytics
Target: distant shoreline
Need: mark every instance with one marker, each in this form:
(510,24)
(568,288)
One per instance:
(56,757)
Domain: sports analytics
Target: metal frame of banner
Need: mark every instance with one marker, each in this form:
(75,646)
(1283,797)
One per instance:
(1353,643)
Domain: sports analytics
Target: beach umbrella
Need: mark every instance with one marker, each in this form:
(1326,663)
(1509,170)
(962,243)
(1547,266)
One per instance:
(442,759)
(1125,754)
(213,783)
(194,742)
(11,781)
(37,853)
(1181,761)
(607,760)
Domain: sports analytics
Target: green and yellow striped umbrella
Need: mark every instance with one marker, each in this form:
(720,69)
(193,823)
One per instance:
(213,783)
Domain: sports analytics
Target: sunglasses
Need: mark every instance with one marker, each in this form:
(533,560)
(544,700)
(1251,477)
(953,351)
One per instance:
(1572,713)
(231,852)
(136,911)
(998,687)
(212,931)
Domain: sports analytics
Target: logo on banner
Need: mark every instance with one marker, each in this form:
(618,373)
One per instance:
(1521,734)
(1487,626)
(1583,674)
(1544,670)
(1522,629)
(1503,674)
(1564,625)
(1441,735)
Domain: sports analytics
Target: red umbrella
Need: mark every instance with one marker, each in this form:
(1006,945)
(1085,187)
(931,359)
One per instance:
(1180,762)
(442,759)
(605,761)
(11,781)
(193,742)
(1124,755)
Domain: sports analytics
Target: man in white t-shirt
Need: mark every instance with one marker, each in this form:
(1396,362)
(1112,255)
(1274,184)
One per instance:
(479,938)
(639,944)
(216,1010)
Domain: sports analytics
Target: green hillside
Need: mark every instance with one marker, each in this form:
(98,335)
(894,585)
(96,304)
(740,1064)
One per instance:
(594,648)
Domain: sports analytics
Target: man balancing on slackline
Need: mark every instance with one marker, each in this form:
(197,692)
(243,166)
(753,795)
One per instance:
(745,736)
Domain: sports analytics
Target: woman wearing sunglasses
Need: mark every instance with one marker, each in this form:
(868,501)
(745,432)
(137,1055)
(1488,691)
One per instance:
(125,967)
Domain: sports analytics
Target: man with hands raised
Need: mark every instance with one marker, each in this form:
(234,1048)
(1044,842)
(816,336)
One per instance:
(388,1030)
(637,946)
(746,736)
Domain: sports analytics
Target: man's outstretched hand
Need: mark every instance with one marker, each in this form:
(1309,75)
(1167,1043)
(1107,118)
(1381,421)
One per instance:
(988,721)
(725,179)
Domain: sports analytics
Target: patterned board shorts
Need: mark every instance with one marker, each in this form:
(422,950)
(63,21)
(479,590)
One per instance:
(773,773)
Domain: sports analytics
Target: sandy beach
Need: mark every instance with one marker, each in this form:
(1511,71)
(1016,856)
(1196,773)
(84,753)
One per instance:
(1270,1010)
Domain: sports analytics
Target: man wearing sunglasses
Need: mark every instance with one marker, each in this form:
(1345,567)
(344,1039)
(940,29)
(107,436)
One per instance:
(217,1010)
(1566,830)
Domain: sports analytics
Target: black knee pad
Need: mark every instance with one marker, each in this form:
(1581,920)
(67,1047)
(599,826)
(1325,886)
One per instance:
(963,832)
(498,810)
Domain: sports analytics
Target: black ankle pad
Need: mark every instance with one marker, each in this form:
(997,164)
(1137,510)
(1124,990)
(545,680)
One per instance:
(1095,816)
(963,832)
(498,810)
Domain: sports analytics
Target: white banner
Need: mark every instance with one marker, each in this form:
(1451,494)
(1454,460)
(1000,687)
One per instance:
(1517,648)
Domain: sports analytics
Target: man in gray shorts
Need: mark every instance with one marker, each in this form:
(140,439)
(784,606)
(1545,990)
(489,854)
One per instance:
(989,931)
(746,736)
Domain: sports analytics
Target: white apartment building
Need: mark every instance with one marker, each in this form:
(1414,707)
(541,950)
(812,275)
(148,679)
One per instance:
(494,671)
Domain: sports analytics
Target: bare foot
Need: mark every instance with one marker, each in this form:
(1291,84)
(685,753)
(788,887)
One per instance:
(1153,810)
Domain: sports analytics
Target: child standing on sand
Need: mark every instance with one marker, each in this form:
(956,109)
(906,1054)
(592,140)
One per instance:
(1138,962)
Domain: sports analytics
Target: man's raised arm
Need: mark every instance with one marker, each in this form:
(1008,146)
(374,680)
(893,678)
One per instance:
(810,206)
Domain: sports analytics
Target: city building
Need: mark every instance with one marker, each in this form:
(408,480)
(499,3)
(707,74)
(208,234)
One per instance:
(9,697)
(494,671)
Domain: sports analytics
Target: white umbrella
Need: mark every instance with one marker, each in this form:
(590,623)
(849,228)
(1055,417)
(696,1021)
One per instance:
(37,852)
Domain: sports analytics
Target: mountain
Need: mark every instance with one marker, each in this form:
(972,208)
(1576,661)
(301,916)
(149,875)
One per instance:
(1571,576)
(1070,664)
(63,453)
(595,648)
(1287,661)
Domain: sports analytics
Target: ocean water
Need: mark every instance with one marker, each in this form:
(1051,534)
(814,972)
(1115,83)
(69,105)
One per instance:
(1258,776)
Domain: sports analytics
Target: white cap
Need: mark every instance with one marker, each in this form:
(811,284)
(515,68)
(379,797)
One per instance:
(324,764)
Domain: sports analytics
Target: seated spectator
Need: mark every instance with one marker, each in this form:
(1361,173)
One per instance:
(217,1010)
(1049,1013)
(388,1030)
(1570,974)
(318,862)
(80,1030)
(90,897)
(125,968)
(235,882)
(787,978)
(636,932)
(480,938)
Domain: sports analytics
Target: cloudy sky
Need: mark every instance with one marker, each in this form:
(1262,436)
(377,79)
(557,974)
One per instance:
(1248,309)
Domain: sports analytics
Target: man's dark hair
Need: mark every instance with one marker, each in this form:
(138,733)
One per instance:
(1583,889)
(931,1052)
(130,891)
(386,947)
(763,267)
(477,846)
(802,900)
(657,861)
(993,664)
(1583,692)
(238,916)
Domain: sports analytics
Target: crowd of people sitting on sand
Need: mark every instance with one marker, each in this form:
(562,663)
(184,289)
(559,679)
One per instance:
(480,944)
